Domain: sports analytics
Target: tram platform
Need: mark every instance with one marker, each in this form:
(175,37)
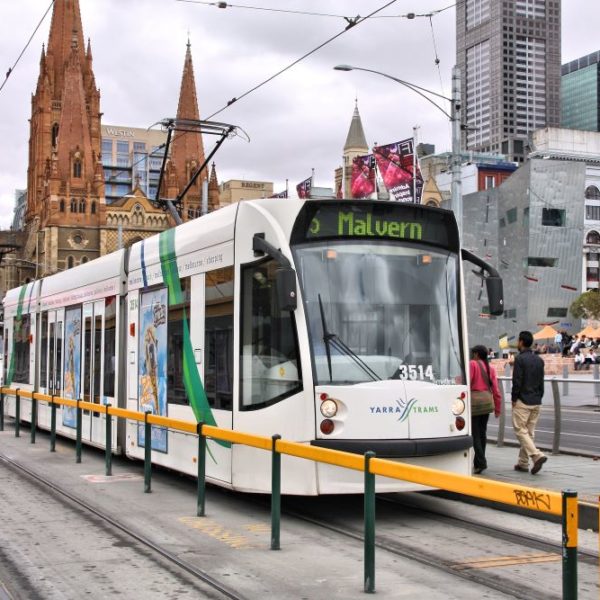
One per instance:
(561,472)
(232,540)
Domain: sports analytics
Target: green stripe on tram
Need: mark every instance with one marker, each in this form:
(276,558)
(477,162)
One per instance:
(17,324)
(191,377)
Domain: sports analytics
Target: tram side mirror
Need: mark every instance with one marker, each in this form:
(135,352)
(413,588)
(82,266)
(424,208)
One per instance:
(495,295)
(287,296)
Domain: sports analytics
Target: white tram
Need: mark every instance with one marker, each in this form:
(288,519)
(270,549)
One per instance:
(334,323)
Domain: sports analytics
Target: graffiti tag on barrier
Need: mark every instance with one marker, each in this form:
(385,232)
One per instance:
(532,499)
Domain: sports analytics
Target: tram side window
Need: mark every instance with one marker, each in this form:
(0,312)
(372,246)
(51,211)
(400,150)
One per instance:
(22,330)
(110,320)
(270,367)
(218,338)
(179,316)
(44,351)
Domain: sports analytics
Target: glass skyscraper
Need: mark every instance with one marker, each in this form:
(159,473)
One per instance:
(580,93)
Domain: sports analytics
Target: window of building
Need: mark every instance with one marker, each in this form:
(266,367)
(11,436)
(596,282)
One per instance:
(93,207)
(73,205)
(510,313)
(61,205)
(502,222)
(54,134)
(82,206)
(539,261)
(107,146)
(592,273)
(218,338)
(557,312)
(270,367)
(554,217)
(70,262)
(592,213)
(77,168)
(139,146)
(84,260)
(123,147)
(526,217)
(592,192)
(22,346)
(593,237)
(511,215)
(490,182)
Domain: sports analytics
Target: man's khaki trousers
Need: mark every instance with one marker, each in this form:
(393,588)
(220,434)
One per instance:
(525,418)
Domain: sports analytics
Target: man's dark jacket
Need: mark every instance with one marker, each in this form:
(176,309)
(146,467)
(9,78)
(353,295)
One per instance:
(528,378)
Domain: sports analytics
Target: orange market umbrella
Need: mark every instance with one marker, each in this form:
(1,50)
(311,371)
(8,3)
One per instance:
(587,331)
(595,333)
(546,333)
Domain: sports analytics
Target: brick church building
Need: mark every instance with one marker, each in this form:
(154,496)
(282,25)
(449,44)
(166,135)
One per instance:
(67,218)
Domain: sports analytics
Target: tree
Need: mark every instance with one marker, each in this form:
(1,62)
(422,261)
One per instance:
(587,306)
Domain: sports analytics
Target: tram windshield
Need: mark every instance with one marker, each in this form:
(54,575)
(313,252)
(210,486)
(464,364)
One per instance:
(380,310)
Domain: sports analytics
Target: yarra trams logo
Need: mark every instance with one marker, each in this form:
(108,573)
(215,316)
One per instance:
(403,409)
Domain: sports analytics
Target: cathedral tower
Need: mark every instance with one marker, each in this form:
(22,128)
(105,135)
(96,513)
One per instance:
(65,180)
(187,150)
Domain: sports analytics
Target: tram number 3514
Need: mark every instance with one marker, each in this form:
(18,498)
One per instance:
(415,372)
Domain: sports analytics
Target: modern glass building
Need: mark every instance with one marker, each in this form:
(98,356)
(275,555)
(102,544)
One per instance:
(130,157)
(509,56)
(580,93)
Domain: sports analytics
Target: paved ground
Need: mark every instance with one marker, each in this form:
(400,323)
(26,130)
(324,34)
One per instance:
(560,472)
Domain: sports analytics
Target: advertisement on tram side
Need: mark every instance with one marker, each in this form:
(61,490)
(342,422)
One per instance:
(152,389)
(72,364)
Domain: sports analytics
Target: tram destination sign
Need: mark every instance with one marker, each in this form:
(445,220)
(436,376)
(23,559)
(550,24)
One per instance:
(384,220)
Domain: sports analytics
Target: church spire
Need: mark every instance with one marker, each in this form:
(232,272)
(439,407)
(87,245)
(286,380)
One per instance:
(356,141)
(66,33)
(187,152)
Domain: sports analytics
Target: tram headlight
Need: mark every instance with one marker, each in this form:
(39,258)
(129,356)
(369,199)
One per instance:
(329,408)
(458,407)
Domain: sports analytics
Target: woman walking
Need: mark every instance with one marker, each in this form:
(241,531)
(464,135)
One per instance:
(485,399)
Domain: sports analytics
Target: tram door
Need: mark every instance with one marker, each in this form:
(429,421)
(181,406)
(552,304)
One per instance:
(216,370)
(92,340)
(54,323)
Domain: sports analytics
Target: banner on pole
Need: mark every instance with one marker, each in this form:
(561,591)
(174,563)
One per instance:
(283,194)
(304,187)
(362,184)
(395,163)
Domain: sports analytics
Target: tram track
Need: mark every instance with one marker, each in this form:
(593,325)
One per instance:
(70,499)
(461,569)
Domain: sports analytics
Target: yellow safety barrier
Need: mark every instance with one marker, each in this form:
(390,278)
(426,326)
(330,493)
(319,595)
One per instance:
(562,504)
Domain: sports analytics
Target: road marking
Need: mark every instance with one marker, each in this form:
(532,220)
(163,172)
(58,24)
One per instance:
(506,561)
(112,478)
(218,532)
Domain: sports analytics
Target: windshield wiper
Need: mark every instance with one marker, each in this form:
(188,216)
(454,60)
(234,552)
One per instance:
(336,342)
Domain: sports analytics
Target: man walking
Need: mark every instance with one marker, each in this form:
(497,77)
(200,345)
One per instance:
(527,392)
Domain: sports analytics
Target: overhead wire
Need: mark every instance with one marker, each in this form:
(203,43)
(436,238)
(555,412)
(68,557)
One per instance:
(312,13)
(351,23)
(11,69)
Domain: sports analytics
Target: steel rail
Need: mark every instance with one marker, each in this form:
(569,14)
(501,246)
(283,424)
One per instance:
(138,537)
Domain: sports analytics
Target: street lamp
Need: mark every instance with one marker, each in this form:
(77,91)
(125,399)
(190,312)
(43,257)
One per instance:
(454,117)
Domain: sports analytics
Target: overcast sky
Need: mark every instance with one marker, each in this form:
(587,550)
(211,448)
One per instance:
(298,121)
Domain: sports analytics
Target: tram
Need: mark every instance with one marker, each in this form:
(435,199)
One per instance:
(335,323)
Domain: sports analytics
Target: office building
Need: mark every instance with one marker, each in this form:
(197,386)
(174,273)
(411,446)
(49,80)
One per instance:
(234,190)
(509,57)
(131,156)
(580,93)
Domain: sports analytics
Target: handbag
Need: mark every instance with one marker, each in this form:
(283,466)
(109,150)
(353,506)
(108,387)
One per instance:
(482,402)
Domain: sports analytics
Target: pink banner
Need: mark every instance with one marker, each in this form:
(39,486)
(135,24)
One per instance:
(304,188)
(395,162)
(362,184)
